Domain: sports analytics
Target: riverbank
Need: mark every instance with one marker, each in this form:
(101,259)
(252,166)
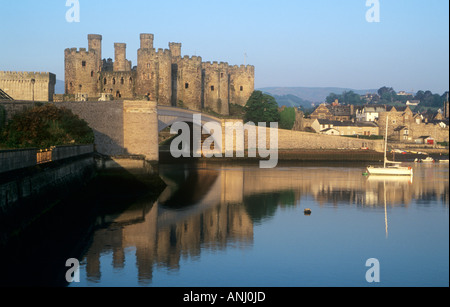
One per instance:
(322,155)
(293,155)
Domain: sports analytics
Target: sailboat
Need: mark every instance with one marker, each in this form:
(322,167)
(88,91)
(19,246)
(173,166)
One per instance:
(389,168)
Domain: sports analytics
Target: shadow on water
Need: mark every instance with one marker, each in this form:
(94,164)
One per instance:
(37,257)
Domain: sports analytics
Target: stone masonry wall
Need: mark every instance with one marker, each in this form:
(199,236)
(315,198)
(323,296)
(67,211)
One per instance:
(19,85)
(140,129)
(106,119)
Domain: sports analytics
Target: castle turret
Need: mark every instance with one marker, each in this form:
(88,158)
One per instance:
(216,85)
(81,72)
(242,83)
(147,41)
(95,45)
(189,78)
(120,61)
(175,48)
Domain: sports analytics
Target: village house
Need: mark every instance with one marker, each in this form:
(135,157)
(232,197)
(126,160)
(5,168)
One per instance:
(369,113)
(405,126)
(334,111)
(331,127)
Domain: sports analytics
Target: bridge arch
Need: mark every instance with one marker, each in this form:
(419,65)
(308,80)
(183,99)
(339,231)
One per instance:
(167,116)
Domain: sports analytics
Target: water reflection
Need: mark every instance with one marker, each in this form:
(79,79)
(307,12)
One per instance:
(214,207)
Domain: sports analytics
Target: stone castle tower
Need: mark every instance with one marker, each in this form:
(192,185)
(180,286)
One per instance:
(163,75)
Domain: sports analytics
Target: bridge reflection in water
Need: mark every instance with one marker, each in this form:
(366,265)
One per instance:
(214,207)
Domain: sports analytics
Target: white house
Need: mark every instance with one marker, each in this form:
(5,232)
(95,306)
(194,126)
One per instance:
(369,113)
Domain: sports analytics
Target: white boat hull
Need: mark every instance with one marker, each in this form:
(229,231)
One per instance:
(390,171)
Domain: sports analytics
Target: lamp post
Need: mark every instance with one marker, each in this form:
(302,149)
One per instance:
(32,83)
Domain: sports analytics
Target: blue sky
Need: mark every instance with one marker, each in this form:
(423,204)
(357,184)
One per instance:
(321,43)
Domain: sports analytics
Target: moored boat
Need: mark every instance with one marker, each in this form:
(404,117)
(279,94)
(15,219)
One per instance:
(389,168)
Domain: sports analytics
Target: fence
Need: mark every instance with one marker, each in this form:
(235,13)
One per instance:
(18,159)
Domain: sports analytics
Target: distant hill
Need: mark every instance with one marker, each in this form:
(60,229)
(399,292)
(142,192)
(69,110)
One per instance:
(291,101)
(312,94)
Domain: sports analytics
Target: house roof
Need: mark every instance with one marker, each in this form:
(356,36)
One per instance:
(400,128)
(328,129)
(340,110)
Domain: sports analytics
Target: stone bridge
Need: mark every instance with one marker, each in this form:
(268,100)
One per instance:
(132,128)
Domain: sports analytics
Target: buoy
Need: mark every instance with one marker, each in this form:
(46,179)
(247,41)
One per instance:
(307,211)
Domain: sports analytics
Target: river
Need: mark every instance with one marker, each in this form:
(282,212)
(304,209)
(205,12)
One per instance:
(236,225)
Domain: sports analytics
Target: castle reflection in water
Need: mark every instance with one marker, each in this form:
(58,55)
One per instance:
(216,206)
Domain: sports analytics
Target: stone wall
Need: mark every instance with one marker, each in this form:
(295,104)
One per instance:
(106,119)
(140,129)
(24,196)
(65,152)
(11,160)
(294,140)
(17,159)
(19,85)
(121,127)
(288,139)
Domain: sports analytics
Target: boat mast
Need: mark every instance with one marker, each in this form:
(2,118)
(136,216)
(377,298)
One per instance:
(385,140)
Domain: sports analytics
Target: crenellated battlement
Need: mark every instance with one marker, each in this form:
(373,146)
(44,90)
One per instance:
(76,51)
(215,65)
(164,52)
(27,75)
(246,69)
(194,60)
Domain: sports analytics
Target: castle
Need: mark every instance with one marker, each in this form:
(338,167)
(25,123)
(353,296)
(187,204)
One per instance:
(162,75)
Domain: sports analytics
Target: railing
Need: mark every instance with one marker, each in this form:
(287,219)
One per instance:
(44,156)
(18,159)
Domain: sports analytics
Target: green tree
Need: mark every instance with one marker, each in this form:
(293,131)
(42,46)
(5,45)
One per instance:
(45,126)
(332,98)
(261,108)
(287,118)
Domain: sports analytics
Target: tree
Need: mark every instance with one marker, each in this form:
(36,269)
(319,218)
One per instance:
(287,118)
(385,90)
(332,98)
(45,126)
(261,108)
(347,97)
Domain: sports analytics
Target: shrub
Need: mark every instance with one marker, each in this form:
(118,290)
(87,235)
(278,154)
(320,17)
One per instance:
(45,126)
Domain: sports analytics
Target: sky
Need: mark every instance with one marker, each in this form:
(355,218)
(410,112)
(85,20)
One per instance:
(291,43)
